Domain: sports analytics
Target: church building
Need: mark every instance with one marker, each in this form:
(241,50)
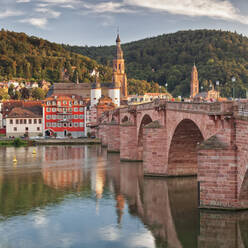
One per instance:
(194,85)
(210,95)
(116,90)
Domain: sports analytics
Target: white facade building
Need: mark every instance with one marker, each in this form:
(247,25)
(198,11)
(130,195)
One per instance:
(22,122)
(114,94)
(95,94)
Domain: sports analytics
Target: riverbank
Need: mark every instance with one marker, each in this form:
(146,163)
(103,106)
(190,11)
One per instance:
(84,141)
(16,142)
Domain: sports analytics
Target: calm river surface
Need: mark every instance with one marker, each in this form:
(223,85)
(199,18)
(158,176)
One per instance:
(82,197)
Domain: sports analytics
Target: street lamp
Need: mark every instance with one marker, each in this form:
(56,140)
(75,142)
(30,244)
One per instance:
(166,85)
(201,88)
(233,81)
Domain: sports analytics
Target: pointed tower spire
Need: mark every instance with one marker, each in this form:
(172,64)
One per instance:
(194,86)
(119,75)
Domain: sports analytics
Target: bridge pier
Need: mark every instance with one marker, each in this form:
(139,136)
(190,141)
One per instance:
(128,142)
(113,137)
(155,150)
(218,176)
(103,134)
(222,229)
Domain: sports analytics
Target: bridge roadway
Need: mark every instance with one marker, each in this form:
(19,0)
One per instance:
(209,140)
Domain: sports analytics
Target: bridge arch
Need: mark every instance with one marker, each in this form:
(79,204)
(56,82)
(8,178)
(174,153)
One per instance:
(124,119)
(146,119)
(182,157)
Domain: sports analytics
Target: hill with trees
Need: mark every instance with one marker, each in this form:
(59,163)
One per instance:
(32,58)
(219,55)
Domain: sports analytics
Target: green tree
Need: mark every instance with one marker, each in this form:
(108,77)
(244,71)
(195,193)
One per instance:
(38,93)
(11,91)
(24,93)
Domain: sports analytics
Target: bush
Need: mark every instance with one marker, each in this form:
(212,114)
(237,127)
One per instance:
(18,142)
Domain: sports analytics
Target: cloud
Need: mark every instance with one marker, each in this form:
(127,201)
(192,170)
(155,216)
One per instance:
(10,13)
(60,1)
(37,22)
(216,9)
(110,7)
(210,8)
(22,1)
(68,6)
(50,13)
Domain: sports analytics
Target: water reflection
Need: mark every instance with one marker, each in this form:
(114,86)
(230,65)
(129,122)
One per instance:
(81,196)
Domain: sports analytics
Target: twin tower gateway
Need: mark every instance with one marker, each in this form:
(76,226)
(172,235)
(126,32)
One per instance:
(117,89)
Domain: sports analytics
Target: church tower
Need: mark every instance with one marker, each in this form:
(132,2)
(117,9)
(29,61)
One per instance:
(119,75)
(194,86)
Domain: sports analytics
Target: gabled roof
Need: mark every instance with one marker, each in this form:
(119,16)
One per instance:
(31,112)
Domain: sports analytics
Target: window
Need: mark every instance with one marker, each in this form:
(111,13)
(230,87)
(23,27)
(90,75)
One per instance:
(64,110)
(75,109)
(54,117)
(70,109)
(81,109)
(26,128)
(54,103)
(65,125)
(21,121)
(48,109)
(25,121)
(30,121)
(75,124)
(59,124)
(48,124)
(17,121)
(40,121)
(48,103)
(64,102)
(119,66)
(47,117)
(81,102)
(81,124)
(75,116)
(75,102)
(35,121)
(54,124)
(70,125)
(15,128)
(81,116)
(11,121)
(70,103)
(59,103)
(38,129)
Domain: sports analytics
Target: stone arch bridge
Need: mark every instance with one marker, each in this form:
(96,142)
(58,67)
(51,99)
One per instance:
(209,140)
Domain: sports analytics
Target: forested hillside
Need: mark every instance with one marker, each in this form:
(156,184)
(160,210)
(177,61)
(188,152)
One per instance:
(30,58)
(169,59)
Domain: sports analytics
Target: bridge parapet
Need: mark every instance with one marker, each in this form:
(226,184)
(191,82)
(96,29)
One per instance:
(241,110)
(217,108)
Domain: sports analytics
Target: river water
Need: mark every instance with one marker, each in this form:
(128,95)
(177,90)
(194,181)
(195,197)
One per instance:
(82,197)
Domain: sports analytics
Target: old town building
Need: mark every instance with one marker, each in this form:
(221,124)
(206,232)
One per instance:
(64,116)
(98,89)
(24,121)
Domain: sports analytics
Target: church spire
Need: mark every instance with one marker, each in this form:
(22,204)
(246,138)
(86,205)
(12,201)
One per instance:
(194,86)
(119,52)
(119,75)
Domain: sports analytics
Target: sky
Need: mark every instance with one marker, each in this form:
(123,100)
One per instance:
(95,22)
